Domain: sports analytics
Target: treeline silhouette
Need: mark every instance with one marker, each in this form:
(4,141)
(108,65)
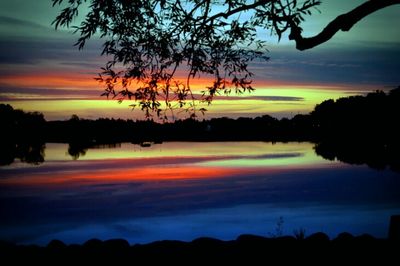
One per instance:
(356,129)
(360,129)
(251,248)
(21,136)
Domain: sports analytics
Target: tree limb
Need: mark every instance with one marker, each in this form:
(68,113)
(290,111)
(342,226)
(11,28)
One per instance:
(244,7)
(343,22)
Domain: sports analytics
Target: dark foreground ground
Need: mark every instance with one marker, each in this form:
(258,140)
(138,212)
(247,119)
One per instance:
(315,249)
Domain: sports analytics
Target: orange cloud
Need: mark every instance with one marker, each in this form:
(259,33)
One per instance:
(66,80)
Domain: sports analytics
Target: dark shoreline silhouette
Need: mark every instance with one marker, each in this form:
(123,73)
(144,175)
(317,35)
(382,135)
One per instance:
(314,248)
(371,118)
(355,130)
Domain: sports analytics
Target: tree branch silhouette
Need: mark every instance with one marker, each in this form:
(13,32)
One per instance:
(157,47)
(343,22)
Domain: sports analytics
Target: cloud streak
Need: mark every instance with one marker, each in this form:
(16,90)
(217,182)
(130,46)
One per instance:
(8,93)
(9,21)
(366,64)
(46,91)
(262,98)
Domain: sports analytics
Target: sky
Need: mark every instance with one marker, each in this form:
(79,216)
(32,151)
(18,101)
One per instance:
(41,70)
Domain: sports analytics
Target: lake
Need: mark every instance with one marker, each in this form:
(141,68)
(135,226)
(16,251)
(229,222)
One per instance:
(185,190)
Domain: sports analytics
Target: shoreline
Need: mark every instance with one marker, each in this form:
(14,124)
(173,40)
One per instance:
(345,246)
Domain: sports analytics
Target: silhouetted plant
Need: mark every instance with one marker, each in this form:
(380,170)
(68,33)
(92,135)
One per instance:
(278,228)
(150,41)
(300,233)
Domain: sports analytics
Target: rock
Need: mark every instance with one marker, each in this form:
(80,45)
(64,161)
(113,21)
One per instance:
(318,237)
(93,244)
(56,244)
(344,237)
(394,228)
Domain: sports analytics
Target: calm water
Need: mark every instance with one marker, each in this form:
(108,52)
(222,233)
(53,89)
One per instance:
(183,190)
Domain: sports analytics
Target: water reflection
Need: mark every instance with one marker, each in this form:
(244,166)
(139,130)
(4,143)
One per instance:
(180,190)
(32,153)
(77,150)
(374,155)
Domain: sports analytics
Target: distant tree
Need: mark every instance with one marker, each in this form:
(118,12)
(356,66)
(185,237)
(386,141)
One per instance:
(150,41)
(74,117)
(16,123)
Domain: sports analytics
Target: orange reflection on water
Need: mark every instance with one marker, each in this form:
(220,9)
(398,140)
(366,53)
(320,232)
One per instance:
(125,176)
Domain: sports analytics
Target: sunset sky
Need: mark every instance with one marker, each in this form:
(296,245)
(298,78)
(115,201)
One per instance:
(41,70)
